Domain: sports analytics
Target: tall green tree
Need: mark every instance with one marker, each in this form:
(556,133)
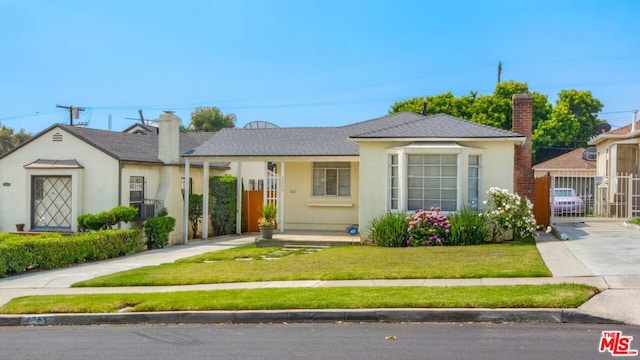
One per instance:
(210,119)
(9,139)
(556,129)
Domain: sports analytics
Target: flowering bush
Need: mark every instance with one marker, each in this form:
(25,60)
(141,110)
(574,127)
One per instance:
(509,211)
(428,228)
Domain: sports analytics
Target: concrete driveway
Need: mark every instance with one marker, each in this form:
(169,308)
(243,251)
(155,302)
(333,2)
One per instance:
(605,248)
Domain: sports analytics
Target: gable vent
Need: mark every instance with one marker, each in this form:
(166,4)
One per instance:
(57,137)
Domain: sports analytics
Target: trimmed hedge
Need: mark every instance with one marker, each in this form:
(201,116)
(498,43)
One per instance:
(50,251)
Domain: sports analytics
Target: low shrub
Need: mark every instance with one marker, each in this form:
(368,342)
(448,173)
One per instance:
(468,227)
(49,251)
(390,230)
(106,219)
(506,210)
(428,228)
(157,230)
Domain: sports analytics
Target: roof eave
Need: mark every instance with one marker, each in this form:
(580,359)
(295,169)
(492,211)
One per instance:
(519,140)
(260,158)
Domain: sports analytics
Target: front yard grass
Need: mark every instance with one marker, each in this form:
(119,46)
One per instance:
(246,263)
(517,296)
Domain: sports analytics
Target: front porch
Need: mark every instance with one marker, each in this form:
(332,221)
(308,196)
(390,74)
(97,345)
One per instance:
(309,238)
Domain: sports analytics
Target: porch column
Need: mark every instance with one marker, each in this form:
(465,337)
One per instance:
(239,199)
(281,198)
(185,209)
(205,200)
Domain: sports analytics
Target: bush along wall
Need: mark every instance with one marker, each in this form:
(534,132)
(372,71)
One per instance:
(157,230)
(50,251)
(107,219)
(223,206)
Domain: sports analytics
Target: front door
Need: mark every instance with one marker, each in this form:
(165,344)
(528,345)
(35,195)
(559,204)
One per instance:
(51,203)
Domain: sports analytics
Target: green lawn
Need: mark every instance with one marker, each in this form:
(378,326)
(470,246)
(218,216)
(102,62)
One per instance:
(519,296)
(243,264)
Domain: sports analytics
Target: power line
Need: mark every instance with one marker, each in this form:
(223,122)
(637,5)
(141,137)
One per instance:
(74,112)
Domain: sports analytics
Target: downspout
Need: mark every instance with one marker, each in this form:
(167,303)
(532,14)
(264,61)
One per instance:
(185,209)
(120,166)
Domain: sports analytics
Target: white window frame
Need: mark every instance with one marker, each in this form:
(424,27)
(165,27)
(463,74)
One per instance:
(434,148)
(316,166)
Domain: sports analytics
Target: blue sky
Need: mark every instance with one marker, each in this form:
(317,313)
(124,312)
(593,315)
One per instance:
(303,63)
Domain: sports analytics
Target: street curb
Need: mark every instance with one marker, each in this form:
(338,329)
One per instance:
(310,316)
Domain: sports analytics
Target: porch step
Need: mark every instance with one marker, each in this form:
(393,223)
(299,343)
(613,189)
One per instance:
(303,243)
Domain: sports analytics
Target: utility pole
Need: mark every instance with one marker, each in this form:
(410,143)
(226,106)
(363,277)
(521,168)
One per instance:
(74,112)
(499,70)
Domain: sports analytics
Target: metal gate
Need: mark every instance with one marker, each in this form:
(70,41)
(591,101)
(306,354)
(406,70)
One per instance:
(575,197)
(51,203)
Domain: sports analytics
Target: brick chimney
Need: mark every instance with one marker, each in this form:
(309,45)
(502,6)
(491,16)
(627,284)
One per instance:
(522,123)
(168,141)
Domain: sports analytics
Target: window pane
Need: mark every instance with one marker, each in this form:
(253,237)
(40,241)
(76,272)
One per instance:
(432,183)
(449,159)
(414,159)
(431,159)
(331,186)
(394,204)
(473,172)
(449,171)
(413,205)
(394,159)
(432,171)
(415,182)
(344,179)
(414,171)
(318,182)
(474,160)
(449,183)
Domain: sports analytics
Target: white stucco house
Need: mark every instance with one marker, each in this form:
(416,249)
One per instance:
(321,178)
(328,178)
(65,171)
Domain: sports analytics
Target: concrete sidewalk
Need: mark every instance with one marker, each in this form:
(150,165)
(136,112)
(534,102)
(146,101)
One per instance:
(609,306)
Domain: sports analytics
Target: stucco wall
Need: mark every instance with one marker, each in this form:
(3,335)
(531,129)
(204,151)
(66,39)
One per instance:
(303,211)
(496,170)
(96,182)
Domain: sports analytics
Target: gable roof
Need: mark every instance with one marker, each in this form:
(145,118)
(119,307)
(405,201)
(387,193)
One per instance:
(127,146)
(569,161)
(623,132)
(341,140)
(438,126)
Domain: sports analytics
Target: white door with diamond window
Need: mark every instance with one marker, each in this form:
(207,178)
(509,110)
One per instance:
(51,202)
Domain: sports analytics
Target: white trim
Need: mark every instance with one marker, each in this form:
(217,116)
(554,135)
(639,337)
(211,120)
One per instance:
(339,205)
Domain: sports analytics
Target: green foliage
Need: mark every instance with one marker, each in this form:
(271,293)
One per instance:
(157,230)
(195,213)
(428,228)
(49,251)
(210,119)
(269,212)
(505,211)
(635,221)
(567,125)
(10,139)
(468,227)
(106,219)
(390,230)
(223,207)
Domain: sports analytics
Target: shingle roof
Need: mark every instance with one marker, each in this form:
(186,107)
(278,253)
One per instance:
(411,125)
(623,132)
(338,141)
(569,161)
(135,146)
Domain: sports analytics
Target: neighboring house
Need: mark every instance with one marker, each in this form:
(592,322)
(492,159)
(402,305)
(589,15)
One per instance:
(329,178)
(65,171)
(573,173)
(617,170)
(573,162)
